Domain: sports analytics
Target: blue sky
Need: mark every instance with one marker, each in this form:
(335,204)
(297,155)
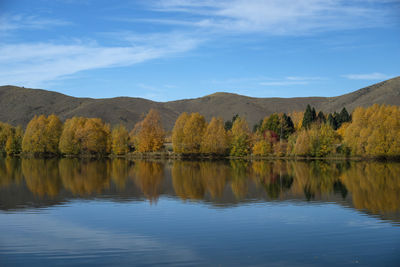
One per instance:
(173,49)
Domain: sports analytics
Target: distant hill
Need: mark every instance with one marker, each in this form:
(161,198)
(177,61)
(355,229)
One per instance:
(18,105)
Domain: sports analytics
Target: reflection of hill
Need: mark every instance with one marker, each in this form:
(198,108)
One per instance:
(373,188)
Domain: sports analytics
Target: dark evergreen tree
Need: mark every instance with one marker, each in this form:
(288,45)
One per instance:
(309,117)
(344,116)
(288,126)
(321,117)
(332,121)
(229,123)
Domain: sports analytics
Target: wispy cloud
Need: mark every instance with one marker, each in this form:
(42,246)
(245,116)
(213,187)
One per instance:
(282,17)
(20,21)
(292,80)
(31,64)
(368,76)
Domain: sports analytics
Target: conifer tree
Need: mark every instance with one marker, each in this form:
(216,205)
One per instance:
(309,117)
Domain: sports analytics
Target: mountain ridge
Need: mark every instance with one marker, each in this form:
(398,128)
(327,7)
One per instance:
(18,104)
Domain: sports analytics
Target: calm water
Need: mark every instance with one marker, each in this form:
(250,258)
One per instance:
(278,213)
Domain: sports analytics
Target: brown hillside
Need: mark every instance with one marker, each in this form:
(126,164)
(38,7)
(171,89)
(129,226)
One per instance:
(18,105)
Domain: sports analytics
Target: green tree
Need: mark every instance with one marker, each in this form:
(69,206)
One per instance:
(309,117)
(229,123)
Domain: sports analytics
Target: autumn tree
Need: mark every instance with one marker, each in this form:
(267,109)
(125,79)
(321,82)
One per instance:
(85,136)
(193,133)
(94,137)
(240,145)
(318,141)
(70,143)
(119,140)
(215,139)
(14,141)
(150,133)
(177,133)
(42,135)
(374,131)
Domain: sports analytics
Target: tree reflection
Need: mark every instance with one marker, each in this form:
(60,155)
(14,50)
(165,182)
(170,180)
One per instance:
(84,177)
(273,177)
(187,180)
(370,186)
(42,176)
(10,171)
(240,178)
(374,186)
(148,177)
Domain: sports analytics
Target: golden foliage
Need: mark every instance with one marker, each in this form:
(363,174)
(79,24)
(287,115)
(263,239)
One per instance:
(42,135)
(193,132)
(297,118)
(215,139)
(148,135)
(85,135)
(177,133)
(374,131)
(318,141)
(240,136)
(119,140)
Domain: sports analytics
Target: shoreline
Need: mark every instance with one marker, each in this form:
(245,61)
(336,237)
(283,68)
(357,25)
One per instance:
(202,156)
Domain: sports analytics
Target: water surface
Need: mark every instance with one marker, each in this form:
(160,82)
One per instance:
(276,213)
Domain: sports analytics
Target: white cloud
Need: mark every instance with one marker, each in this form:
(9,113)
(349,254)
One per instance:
(284,17)
(292,80)
(284,83)
(31,64)
(20,21)
(367,76)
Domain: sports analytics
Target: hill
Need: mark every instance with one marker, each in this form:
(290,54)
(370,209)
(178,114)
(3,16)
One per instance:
(18,105)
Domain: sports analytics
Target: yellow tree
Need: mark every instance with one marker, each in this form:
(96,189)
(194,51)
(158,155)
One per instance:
(177,133)
(5,133)
(193,133)
(42,135)
(119,140)
(374,131)
(14,141)
(240,145)
(151,134)
(215,139)
(69,142)
(53,133)
(94,137)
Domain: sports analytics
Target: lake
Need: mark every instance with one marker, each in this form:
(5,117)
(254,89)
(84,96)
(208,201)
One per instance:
(62,212)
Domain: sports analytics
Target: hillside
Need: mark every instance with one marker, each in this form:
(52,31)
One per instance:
(18,105)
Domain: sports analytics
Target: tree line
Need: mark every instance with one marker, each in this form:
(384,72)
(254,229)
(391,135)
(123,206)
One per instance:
(372,131)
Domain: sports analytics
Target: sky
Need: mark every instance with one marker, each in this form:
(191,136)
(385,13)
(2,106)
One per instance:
(173,49)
